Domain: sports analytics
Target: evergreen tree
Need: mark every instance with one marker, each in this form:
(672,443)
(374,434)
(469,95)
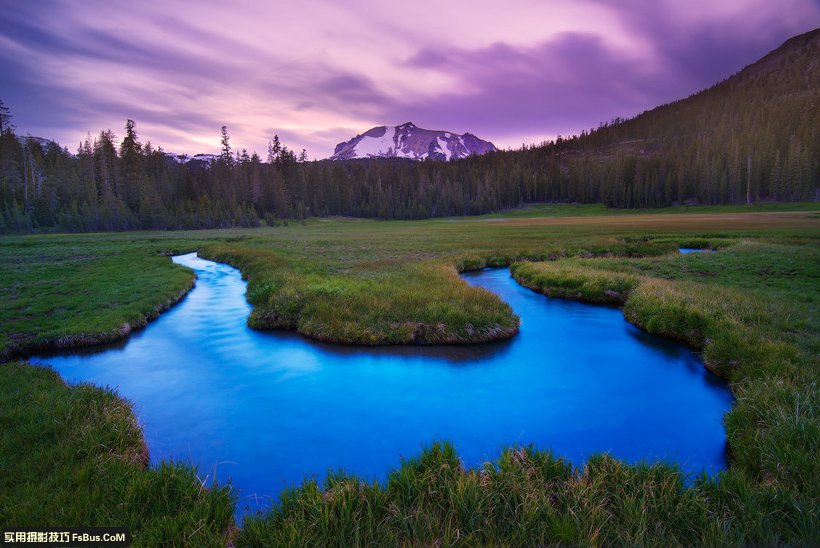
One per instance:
(226,147)
(131,162)
(274,149)
(5,118)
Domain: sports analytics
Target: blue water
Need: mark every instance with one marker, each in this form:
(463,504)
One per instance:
(265,409)
(687,250)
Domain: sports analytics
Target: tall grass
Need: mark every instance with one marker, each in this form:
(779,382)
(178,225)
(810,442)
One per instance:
(74,455)
(528,498)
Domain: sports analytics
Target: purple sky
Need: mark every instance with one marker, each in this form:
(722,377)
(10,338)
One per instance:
(319,72)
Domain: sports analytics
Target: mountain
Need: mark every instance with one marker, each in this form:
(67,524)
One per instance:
(766,106)
(202,161)
(42,142)
(410,141)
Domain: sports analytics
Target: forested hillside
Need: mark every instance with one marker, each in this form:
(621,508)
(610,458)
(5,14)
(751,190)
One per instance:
(751,137)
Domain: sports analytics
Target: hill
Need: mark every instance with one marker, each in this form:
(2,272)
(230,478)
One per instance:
(753,136)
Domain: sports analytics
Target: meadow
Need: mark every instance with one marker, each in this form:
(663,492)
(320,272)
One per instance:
(751,308)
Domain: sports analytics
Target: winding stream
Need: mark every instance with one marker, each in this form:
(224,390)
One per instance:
(264,409)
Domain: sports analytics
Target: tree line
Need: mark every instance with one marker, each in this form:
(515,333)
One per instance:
(752,137)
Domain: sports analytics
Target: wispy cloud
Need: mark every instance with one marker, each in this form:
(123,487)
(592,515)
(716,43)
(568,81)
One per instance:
(318,72)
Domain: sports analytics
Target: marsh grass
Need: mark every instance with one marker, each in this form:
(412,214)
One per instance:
(385,304)
(332,291)
(751,308)
(526,498)
(75,455)
(598,210)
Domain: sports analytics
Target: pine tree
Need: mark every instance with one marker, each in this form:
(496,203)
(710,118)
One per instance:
(226,146)
(274,149)
(5,118)
(133,174)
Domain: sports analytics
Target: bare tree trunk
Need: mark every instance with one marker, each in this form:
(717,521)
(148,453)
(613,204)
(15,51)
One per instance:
(749,179)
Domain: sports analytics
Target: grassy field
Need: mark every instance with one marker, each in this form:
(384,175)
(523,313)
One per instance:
(752,308)
(598,210)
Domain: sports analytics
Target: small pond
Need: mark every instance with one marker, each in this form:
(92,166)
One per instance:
(264,409)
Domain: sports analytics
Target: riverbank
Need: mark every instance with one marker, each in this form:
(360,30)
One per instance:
(767,354)
(64,292)
(75,455)
(763,281)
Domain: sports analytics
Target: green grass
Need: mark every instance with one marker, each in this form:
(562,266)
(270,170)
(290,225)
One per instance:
(75,456)
(752,308)
(573,210)
(530,498)
(347,280)
(64,292)
(379,303)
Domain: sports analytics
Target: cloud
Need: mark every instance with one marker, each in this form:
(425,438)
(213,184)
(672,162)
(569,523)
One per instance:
(567,83)
(707,41)
(320,72)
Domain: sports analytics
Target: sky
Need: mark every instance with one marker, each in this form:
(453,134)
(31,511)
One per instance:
(320,72)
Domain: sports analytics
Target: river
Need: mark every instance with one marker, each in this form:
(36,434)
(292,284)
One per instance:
(266,409)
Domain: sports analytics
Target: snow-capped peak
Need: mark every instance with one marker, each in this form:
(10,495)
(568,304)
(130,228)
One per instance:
(411,141)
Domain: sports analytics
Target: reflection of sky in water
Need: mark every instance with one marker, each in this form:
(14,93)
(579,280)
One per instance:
(265,409)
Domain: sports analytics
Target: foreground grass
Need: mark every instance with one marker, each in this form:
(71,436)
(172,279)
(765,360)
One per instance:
(75,456)
(752,308)
(530,498)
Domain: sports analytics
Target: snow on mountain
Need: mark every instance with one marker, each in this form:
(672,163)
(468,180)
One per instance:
(410,141)
(45,144)
(178,158)
(185,158)
(197,160)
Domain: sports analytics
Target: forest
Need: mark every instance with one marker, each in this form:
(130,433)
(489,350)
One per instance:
(753,137)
